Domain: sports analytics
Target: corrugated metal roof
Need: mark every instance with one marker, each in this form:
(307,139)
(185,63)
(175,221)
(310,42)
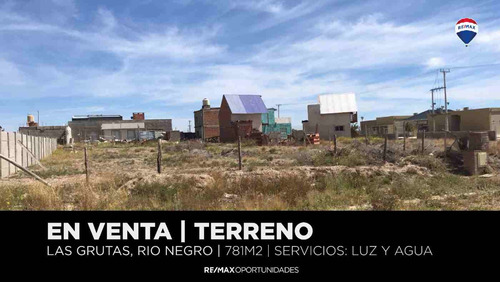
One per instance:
(337,103)
(246,104)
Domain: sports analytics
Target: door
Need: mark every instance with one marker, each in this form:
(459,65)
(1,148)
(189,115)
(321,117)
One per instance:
(455,123)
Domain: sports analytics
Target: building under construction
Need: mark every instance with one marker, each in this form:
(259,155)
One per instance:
(333,115)
(33,128)
(138,128)
(206,122)
(240,115)
(280,127)
(113,127)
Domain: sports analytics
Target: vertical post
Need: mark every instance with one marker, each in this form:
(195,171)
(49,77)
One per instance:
(335,144)
(404,136)
(385,148)
(446,125)
(1,152)
(86,164)
(238,135)
(445,145)
(159,157)
(423,140)
(239,151)
(366,134)
(432,113)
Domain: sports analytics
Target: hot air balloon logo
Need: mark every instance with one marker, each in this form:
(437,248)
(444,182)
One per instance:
(466,30)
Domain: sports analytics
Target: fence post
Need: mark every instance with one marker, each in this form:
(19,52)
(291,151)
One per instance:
(404,137)
(19,166)
(335,144)
(1,152)
(385,148)
(423,141)
(239,151)
(445,145)
(159,157)
(86,164)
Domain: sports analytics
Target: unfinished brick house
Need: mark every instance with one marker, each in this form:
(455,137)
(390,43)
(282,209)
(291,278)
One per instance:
(243,111)
(206,122)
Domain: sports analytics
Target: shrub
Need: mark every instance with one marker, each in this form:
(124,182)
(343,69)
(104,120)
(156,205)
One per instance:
(430,162)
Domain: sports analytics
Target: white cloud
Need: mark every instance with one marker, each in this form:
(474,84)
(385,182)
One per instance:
(435,62)
(169,43)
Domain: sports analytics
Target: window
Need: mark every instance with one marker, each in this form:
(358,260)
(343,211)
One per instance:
(131,135)
(339,128)
(116,134)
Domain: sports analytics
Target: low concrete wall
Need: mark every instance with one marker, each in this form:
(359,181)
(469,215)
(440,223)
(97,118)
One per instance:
(459,134)
(40,146)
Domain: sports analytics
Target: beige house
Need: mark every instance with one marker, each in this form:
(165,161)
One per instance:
(333,115)
(485,119)
(122,131)
(381,126)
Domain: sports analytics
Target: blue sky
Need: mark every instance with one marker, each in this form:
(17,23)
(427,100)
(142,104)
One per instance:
(65,57)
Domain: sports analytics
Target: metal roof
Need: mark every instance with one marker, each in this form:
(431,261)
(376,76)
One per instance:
(95,116)
(121,125)
(423,115)
(337,103)
(246,104)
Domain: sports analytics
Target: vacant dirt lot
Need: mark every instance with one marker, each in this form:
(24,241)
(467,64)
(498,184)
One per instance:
(200,176)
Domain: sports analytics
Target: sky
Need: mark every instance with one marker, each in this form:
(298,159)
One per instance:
(65,57)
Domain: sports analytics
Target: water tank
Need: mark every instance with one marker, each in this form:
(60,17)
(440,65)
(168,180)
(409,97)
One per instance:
(31,119)
(206,103)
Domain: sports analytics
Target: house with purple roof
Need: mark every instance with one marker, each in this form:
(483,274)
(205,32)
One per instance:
(239,115)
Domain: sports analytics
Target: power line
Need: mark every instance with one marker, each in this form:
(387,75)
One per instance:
(429,72)
(398,80)
(476,66)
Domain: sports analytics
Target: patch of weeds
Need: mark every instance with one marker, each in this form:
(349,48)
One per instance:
(382,200)
(430,162)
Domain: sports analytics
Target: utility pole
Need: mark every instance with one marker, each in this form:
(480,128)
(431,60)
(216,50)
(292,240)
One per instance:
(433,104)
(446,125)
(279,109)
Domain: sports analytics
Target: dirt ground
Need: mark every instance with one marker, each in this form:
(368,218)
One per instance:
(198,176)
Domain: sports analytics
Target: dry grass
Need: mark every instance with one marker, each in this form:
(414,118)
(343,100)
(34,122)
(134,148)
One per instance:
(205,177)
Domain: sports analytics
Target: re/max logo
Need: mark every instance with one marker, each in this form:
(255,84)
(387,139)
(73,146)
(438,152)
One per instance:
(466,26)
(224,269)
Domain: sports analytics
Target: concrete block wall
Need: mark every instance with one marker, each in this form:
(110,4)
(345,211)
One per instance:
(40,146)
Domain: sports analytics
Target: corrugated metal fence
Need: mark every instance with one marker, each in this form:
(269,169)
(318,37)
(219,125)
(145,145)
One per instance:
(10,146)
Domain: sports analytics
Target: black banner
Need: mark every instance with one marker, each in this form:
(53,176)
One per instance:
(292,245)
